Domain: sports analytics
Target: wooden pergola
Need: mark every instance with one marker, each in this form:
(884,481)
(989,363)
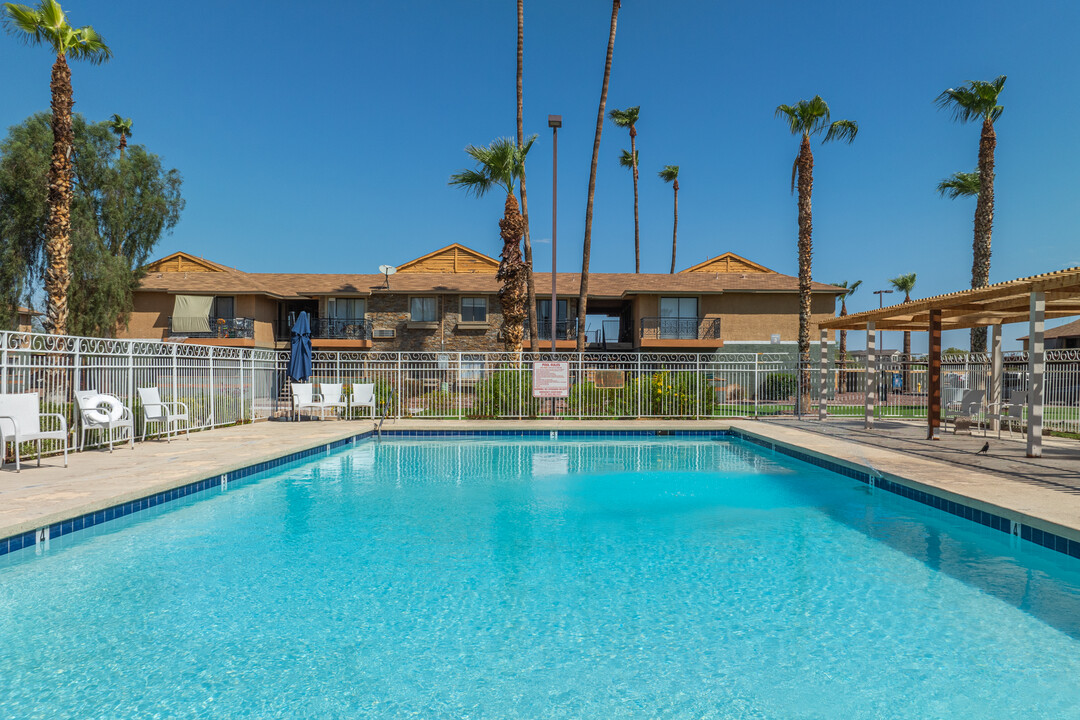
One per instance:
(1031,299)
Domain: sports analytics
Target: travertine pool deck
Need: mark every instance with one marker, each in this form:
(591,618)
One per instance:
(1043,493)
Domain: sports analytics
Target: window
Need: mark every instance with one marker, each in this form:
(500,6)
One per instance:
(678,318)
(346,308)
(473,309)
(224,307)
(543,319)
(422,309)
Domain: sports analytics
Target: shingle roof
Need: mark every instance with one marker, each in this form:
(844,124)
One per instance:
(295,285)
(1067,330)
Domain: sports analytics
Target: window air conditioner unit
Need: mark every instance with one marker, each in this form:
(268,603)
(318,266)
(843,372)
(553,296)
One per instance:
(381,333)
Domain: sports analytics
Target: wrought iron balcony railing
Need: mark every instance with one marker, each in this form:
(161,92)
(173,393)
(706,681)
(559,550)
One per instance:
(669,328)
(341,328)
(564,329)
(241,327)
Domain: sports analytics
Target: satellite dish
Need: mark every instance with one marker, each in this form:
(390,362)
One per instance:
(387,271)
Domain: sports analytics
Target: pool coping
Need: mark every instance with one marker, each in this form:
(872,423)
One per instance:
(1046,533)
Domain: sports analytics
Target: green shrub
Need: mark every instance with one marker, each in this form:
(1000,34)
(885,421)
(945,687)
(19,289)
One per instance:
(778,387)
(506,392)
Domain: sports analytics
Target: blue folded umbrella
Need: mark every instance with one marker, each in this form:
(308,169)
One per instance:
(300,357)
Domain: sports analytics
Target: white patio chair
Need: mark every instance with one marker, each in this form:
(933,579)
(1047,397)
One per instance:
(95,418)
(166,414)
(20,422)
(332,397)
(304,396)
(363,396)
(969,406)
(1014,412)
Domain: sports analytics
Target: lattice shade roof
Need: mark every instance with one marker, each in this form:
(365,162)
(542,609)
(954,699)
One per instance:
(1006,302)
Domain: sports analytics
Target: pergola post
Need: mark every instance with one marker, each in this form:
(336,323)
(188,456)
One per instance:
(1036,363)
(933,385)
(871,374)
(996,363)
(822,403)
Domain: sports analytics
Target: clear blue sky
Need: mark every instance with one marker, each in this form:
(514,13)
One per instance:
(314,143)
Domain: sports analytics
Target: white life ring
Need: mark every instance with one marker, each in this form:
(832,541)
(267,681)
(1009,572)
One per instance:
(104,408)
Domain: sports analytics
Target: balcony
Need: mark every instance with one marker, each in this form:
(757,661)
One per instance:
(241,328)
(703,331)
(564,329)
(341,328)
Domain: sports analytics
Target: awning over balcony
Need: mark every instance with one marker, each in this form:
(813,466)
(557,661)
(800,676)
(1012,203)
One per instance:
(191,313)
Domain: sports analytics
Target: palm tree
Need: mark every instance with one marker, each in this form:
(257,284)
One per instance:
(46,24)
(534,330)
(670,174)
(805,119)
(849,289)
(978,100)
(586,245)
(905,284)
(628,119)
(501,164)
(121,127)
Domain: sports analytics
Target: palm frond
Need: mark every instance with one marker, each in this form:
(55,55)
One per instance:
(501,163)
(90,46)
(977,100)
(25,22)
(627,160)
(850,287)
(474,182)
(806,117)
(670,173)
(843,131)
(794,173)
(625,118)
(960,184)
(904,283)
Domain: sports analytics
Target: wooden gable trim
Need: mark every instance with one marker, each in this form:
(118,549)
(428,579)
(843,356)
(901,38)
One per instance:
(723,264)
(455,258)
(183,262)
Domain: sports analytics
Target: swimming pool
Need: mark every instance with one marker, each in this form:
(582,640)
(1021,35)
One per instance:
(504,578)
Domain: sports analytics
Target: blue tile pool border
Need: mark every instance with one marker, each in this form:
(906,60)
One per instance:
(115,512)
(994,521)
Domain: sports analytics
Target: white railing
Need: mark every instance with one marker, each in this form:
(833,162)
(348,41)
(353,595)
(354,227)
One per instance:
(228,385)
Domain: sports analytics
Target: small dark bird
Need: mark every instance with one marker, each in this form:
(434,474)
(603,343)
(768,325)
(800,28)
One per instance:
(985,449)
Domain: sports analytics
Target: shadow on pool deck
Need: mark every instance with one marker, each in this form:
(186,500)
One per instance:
(1058,469)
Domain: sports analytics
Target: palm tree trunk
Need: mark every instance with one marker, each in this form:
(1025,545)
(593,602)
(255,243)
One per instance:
(806,251)
(984,223)
(675,225)
(58,227)
(512,273)
(637,226)
(123,144)
(586,248)
(534,330)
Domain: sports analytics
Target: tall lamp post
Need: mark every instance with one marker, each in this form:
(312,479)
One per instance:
(554,122)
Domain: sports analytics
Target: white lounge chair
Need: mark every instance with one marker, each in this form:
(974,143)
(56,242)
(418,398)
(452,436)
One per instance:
(331,397)
(969,406)
(20,421)
(114,416)
(363,396)
(304,396)
(166,414)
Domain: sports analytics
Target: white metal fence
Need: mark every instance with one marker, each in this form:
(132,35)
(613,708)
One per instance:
(225,385)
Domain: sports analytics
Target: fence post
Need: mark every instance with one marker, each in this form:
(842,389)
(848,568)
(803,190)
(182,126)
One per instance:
(175,388)
(757,357)
(76,380)
(131,369)
(640,383)
(3,364)
(823,386)
(210,360)
(337,366)
(697,395)
(240,415)
(400,387)
(460,399)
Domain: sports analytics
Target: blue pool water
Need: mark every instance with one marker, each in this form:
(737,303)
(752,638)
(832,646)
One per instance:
(601,578)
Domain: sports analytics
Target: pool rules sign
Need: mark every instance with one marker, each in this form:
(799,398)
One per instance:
(551,379)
